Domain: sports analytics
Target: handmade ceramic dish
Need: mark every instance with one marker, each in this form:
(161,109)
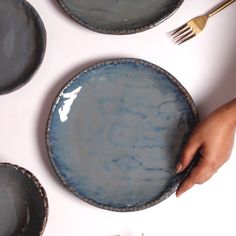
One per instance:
(115,133)
(22,43)
(23,202)
(119,16)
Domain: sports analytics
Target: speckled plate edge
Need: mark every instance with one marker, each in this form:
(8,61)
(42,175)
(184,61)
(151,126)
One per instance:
(40,188)
(43,35)
(117,32)
(168,191)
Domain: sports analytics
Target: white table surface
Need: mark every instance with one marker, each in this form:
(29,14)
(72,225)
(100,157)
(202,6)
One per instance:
(206,66)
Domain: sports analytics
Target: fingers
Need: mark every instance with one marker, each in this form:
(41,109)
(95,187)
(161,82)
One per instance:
(190,149)
(200,174)
(185,186)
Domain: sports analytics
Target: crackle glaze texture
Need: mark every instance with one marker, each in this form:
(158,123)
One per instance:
(22,43)
(115,133)
(23,202)
(119,16)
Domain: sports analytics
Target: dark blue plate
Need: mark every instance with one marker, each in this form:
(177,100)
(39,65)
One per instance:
(22,43)
(23,202)
(119,16)
(115,133)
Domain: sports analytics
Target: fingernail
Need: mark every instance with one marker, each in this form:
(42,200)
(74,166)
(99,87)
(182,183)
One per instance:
(178,167)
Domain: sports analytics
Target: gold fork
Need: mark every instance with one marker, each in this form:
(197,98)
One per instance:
(196,25)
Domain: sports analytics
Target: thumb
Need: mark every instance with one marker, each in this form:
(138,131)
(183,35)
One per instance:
(188,153)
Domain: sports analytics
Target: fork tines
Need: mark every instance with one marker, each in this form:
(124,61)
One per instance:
(182,34)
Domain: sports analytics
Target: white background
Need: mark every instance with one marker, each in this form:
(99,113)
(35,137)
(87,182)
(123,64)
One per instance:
(206,66)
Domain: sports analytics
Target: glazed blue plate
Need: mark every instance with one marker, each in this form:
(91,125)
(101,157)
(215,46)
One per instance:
(115,133)
(119,16)
(23,202)
(22,43)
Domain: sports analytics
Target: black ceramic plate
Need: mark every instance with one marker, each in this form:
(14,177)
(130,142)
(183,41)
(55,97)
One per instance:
(22,43)
(119,16)
(23,202)
(115,133)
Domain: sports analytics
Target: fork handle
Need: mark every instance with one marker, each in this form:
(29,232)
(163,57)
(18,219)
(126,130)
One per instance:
(220,7)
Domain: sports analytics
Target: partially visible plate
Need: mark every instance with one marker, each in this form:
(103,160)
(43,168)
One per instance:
(23,202)
(115,133)
(119,16)
(22,43)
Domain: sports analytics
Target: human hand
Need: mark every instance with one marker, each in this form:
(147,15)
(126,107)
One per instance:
(213,138)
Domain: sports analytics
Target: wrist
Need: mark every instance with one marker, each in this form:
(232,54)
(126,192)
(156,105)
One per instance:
(230,109)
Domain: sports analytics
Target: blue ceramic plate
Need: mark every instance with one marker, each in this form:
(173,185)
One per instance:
(23,202)
(119,16)
(22,43)
(115,133)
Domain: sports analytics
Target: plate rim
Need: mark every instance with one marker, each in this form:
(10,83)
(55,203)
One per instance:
(18,83)
(180,177)
(117,32)
(38,186)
